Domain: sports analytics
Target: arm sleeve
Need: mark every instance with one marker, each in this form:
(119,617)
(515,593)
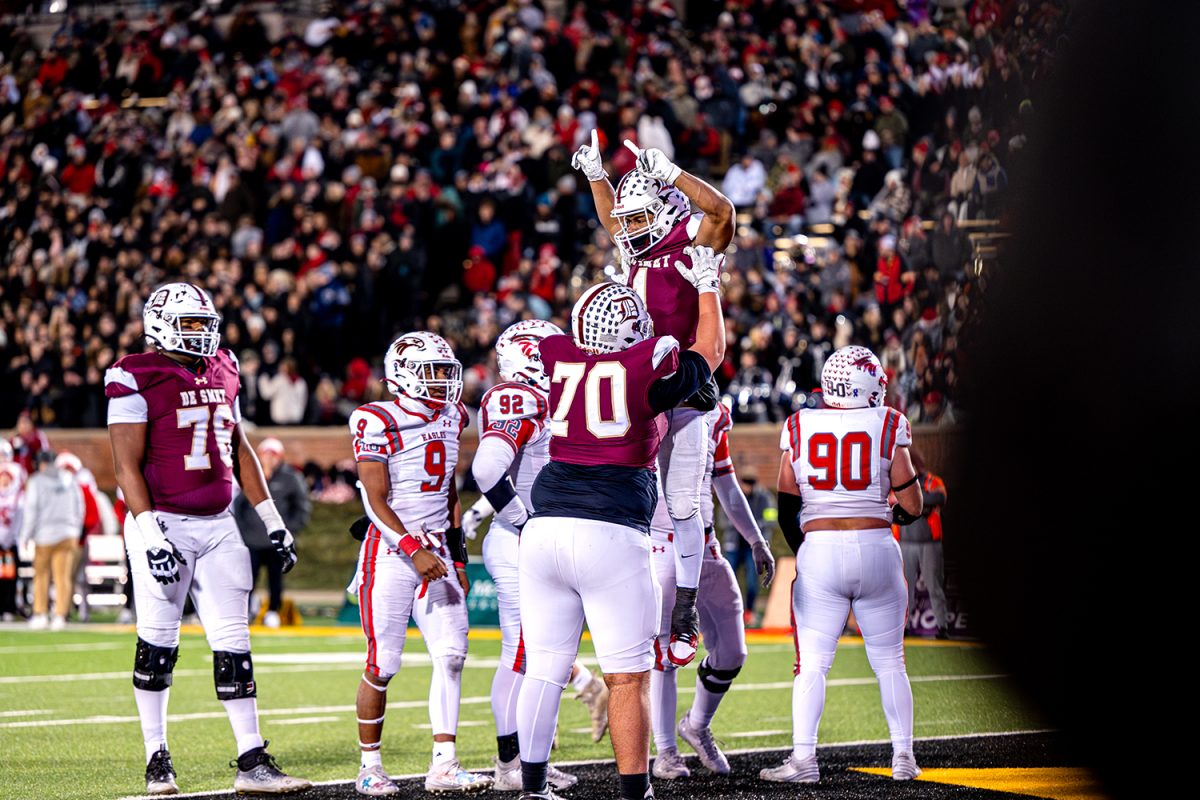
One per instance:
(668,392)
(737,508)
(490,468)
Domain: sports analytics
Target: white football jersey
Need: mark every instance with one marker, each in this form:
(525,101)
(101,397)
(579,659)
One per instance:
(517,414)
(12,481)
(421,452)
(843,459)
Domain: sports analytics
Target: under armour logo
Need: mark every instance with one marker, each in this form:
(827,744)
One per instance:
(201,381)
(654,549)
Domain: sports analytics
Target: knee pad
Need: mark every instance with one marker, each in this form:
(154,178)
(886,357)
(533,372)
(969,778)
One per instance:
(233,674)
(153,665)
(716,680)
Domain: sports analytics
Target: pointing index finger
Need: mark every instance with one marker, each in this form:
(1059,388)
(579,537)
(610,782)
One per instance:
(595,140)
(633,148)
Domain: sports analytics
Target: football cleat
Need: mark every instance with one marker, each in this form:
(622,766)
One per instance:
(257,772)
(701,740)
(793,770)
(904,767)
(559,779)
(451,777)
(507,776)
(374,782)
(546,795)
(595,697)
(669,765)
(160,774)
(685,628)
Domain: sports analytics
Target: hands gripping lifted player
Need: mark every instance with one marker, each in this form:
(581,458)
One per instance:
(670,255)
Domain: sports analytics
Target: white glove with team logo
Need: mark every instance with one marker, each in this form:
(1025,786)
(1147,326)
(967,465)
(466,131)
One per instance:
(474,516)
(589,160)
(281,538)
(161,555)
(617,274)
(653,163)
(705,271)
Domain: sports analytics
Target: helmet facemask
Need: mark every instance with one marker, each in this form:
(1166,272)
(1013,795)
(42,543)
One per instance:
(641,229)
(197,334)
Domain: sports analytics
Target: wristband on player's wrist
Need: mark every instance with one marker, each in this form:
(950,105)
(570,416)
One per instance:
(409,545)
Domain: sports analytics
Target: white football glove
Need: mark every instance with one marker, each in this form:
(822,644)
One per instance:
(474,516)
(705,271)
(764,562)
(589,160)
(617,274)
(161,556)
(653,163)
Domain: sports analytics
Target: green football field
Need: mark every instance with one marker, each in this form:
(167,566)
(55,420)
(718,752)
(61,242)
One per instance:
(69,729)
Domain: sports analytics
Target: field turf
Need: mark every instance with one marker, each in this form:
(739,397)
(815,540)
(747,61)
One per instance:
(68,724)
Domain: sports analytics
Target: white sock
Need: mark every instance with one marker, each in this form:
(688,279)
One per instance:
(371,758)
(445,689)
(537,717)
(664,692)
(808,702)
(243,716)
(152,711)
(581,678)
(444,752)
(896,693)
(704,705)
(689,550)
(506,687)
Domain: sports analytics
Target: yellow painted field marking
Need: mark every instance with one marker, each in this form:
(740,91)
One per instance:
(1057,783)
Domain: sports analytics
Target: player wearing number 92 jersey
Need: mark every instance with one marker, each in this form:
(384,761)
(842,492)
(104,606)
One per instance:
(585,554)
(178,446)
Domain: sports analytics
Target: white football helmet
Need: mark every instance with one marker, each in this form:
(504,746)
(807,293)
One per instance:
(647,209)
(165,311)
(422,367)
(517,353)
(609,318)
(6,451)
(853,378)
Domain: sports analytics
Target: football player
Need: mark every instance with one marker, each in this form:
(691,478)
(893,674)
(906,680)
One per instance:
(412,561)
(585,554)
(650,218)
(840,464)
(720,605)
(12,480)
(178,445)
(514,445)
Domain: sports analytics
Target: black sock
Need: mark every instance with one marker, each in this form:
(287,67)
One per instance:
(634,787)
(508,747)
(533,776)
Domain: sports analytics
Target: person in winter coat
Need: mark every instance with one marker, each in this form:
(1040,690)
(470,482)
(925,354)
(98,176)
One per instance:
(52,519)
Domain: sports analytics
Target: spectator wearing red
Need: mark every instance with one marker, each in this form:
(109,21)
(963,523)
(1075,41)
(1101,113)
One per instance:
(479,273)
(27,442)
(892,283)
(79,175)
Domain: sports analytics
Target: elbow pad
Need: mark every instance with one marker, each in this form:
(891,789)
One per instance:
(901,515)
(789,520)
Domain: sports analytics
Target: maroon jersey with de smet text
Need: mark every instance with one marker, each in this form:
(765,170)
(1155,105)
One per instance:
(190,417)
(673,303)
(600,410)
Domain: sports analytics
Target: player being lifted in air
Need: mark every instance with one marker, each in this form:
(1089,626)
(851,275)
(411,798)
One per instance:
(178,446)
(413,558)
(840,466)
(585,554)
(720,605)
(650,218)
(514,445)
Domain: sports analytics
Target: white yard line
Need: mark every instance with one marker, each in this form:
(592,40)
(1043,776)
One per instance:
(590,761)
(112,719)
(305,721)
(58,648)
(28,713)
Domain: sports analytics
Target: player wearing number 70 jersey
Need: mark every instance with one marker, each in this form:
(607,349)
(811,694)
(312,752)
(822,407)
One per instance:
(178,445)
(412,562)
(840,466)
(585,554)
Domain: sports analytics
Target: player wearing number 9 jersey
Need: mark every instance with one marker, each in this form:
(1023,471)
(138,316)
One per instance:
(840,466)
(585,554)
(412,562)
(178,445)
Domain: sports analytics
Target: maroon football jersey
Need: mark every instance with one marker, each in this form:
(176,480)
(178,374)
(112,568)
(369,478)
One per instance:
(190,418)
(673,303)
(600,411)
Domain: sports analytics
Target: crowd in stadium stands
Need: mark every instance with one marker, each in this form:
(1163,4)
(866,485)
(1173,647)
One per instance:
(395,166)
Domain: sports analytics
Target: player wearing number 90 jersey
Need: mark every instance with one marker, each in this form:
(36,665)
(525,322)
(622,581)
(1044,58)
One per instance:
(585,554)
(178,445)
